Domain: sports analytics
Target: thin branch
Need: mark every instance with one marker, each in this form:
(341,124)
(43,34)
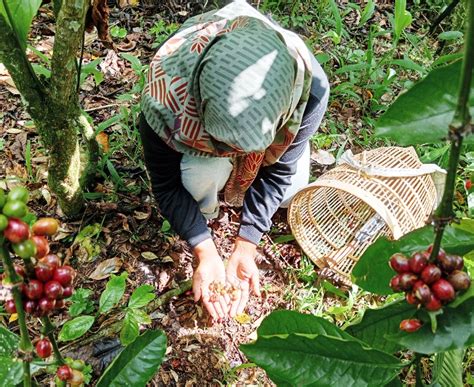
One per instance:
(443,16)
(460,126)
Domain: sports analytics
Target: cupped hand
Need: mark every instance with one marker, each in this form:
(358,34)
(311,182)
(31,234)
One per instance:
(242,274)
(210,271)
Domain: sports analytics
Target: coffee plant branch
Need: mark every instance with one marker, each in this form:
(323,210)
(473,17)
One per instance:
(460,127)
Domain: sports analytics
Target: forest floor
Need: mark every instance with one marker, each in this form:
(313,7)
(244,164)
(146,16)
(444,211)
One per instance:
(121,227)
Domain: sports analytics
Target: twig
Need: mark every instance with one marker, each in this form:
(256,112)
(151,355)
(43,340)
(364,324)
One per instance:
(25,345)
(443,16)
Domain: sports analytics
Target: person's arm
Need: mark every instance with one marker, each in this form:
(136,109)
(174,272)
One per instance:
(266,193)
(175,202)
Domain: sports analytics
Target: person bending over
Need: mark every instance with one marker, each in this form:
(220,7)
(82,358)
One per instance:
(231,103)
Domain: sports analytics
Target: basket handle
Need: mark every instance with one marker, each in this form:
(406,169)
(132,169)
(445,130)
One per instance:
(437,174)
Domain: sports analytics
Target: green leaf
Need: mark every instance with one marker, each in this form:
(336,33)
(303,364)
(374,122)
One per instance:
(447,368)
(22,12)
(285,322)
(450,35)
(11,372)
(129,330)
(454,331)
(141,316)
(367,13)
(141,296)
(423,114)
(373,273)
(134,61)
(75,328)
(81,302)
(166,226)
(376,323)
(137,363)
(113,292)
(8,342)
(402,18)
(300,349)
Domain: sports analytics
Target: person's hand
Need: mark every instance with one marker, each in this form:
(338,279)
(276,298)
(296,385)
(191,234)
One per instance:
(211,271)
(242,275)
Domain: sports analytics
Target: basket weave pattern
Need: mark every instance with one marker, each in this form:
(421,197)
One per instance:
(337,217)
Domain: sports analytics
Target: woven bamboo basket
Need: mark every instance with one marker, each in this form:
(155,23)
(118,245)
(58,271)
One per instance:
(385,191)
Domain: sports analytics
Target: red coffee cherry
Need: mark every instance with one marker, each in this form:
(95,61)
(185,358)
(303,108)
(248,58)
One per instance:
(459,280)
(447,263)
(44,348)
(20,270)
(418,262)
(34,289)
(53,290)
(433,305)
(42,245)
(422,291)
(407,280)
(30,306)
(59,304)
(411,325)
(46,305)
(395,284)
(44,271)
(431,273)
(52,259)
(443,290)
(64,275)
(64,373)
(411,298)
(67,291)
(10,306)
(459,262)
(17,231)
(399,263)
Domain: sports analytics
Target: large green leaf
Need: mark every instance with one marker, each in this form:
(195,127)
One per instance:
(113,292)
(455,330)
(373,273)
(377,322)
(423,113)
(141,296)
(74,329)
(22,12)
(284,322)
(447,368)
(317,360)
(8,342)
(11,372)
(137,363)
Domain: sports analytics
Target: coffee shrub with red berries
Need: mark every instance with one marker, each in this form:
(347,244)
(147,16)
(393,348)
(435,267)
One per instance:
(428,284)
(47,282)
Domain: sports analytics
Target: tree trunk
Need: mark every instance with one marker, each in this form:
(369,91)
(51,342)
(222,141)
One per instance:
(55,109)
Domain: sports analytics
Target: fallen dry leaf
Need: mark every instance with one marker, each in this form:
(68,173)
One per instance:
(106,268)
(98,17)
(103,140)
(323,157)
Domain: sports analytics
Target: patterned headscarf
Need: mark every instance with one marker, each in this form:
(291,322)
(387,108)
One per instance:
(229,83)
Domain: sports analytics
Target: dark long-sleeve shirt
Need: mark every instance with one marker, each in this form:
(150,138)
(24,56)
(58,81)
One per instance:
(262,198)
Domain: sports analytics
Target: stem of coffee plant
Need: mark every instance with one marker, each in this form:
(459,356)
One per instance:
(48,330)
(459,128)
(25,343)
